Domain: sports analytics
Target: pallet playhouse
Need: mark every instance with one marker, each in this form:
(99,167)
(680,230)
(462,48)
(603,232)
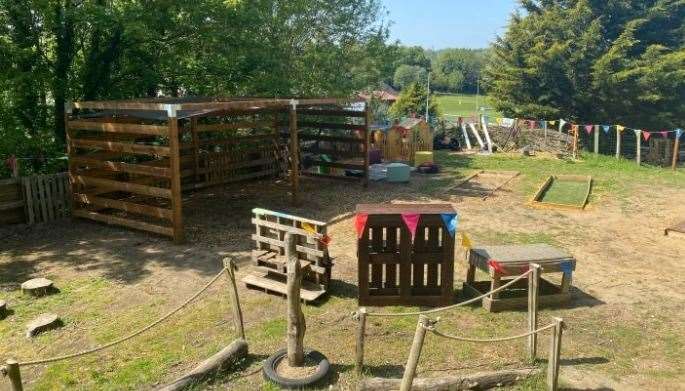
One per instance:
(130,161)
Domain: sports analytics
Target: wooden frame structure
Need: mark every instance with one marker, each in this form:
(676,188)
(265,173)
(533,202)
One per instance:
(401,141)
(536,201)
(129,161)
(393,269)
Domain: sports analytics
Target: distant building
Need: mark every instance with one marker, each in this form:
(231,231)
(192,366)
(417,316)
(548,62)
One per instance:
(385,93)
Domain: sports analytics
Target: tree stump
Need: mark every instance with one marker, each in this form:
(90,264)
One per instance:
(42,323)
(37,287)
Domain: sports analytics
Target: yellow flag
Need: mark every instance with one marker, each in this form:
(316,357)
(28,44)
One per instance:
(620,128)
(465,241)
(552,122)
(309,228)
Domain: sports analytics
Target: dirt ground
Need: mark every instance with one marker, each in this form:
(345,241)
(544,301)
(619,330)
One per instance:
(625,325)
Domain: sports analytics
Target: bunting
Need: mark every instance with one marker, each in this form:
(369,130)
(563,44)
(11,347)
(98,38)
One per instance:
(496,266)
(588,128)
(561,124)
(646,135)
(360,224)
(412,221)
(678,133)
(620,128)
(606,128)
(465,241)
(663,133)
(552,122)
(637,132)
(450,220)
(566,267)
(309,228)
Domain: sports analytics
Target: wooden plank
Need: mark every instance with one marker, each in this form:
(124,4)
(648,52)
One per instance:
(337,139)
(281,227)
(276,242)
(115,220)
(294,152)
(391,248)
(232,126)
(121,186)
(308,292)
(49,194)
(126,206)
(325,125)
(11,205)
(376,247)
(175,167)
(113,127)
(121,147)
(42,194)
(130,168)
(332,113)
(28,196)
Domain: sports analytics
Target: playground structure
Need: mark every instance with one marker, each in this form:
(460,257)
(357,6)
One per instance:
(563,192)
(130,161)
(401,141)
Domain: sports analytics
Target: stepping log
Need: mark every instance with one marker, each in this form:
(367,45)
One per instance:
(3,309)
(42,323)
(37,286)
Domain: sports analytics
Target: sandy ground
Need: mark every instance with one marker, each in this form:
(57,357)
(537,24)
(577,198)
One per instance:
(628,273)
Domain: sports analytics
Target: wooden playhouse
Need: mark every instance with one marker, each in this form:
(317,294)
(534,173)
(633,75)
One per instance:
(401,141)
(129,161)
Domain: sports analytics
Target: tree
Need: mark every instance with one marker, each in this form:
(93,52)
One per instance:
(458,70)
(614,61)
(412,101)
(406,75)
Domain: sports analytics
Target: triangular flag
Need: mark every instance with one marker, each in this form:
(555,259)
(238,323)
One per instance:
(561,124)
(566,267)
(360,224)
(450,220)
(620,128)
(678,132)
(646,134)
(637,132)
(531,123)
(412,221)
(465,241)
(606,128)
(495,265)
(309,228)
(588,128)
(664,133)
(552,123)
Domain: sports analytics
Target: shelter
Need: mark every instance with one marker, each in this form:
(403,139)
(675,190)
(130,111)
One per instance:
(402,140)
(385,94)
(129,161)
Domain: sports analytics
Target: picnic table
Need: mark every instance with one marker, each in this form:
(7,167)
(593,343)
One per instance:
(504,261)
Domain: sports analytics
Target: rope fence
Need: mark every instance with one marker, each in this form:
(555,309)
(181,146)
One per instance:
(12,367)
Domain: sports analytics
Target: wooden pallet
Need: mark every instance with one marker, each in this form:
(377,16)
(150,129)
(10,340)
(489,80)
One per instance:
(276,284)
(482,183)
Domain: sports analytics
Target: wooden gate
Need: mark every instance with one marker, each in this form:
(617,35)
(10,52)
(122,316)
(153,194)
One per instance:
(393,270)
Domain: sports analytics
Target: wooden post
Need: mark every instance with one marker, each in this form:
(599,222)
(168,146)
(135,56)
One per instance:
(596,139)
(544,127)
(359,364)
(486,133)
(175,167)
(294,150)
(237,313)
(676,151)
(638,151)
(533,294)
(575,141)
(466,135)
(367,135)
(296,322)
(618,143)
(196,148)
(14,374)
(414,354)
(554,354)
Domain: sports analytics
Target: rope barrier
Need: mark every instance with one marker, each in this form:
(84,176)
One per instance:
(463,303)
(502,339)
(130,336)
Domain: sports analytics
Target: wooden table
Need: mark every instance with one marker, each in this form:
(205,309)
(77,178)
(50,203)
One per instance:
(511,261)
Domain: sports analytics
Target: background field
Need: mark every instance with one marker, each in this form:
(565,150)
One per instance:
(463,104)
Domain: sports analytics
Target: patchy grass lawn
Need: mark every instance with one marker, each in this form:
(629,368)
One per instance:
(464,105)
(625,325)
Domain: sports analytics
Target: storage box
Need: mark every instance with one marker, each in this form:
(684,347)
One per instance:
(398,172)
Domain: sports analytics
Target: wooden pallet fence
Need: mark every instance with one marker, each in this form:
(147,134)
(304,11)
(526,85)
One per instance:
(11,201)
(47,197)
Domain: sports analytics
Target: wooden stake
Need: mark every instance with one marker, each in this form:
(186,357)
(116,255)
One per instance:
(676,151)
(175,166)
(14,374)
(466,135)
(554,354)
(533,294)
(237,313)
(196,148)
(367,135)
(596,139)
(639,148)
(361,330)
(414,354)
(484,124)
(296,322)
(544,127)
(294,151)
(618,144)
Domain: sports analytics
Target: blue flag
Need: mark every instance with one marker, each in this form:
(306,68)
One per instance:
(566,267)
(450,220)
(678,132)
(606,128)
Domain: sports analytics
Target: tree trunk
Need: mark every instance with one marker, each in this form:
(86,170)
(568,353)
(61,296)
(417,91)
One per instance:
(296,322)
(64,33)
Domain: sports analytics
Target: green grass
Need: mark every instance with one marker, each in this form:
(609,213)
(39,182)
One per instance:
(565,192)
(463,104)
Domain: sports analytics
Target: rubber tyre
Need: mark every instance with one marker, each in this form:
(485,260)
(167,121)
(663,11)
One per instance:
(321,373)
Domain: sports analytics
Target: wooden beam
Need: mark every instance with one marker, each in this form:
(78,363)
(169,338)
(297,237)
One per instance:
(333,113)
(294,151)
(113,127)
(338,139)
(676,151)
(114,220)
(120,186)
(175,167)
(233,126)
(324,125)
(121,147)
(368,118)
(140,169)
(126,206)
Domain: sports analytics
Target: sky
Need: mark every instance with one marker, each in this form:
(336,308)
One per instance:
(439,24)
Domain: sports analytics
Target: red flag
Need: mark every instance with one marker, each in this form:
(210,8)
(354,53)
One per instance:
(496,266)
(588,128)
(664,133)
(412,221)
(360,224)
(326,240)
(646,134)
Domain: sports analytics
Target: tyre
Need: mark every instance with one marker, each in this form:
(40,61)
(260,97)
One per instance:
(271,363)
